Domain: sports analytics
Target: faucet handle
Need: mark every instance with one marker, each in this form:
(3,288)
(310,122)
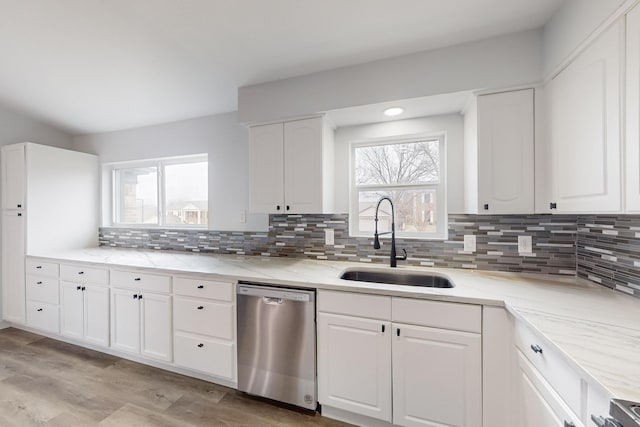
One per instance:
(403,257)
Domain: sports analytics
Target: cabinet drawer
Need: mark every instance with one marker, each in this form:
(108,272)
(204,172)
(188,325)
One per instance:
(49,269)
(43,316)
(42,289)
(562,377)
(205,355)
(436,314)
(141,281)
(222,291)
(78,273)
(203,317)
(351,304)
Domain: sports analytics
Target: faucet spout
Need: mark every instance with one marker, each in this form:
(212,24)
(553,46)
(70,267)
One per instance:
(393,258)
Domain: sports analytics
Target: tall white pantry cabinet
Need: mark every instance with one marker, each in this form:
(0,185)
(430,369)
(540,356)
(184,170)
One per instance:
(49,203)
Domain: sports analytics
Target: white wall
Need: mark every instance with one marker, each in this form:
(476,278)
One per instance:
(16,127)
(220,136)
(574,21)
(499,62)
(451,124)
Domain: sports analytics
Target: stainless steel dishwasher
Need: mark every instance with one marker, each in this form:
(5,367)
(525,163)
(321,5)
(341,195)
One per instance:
(277,343)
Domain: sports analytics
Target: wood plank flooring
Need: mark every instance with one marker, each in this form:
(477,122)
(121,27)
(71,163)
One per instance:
(44,382)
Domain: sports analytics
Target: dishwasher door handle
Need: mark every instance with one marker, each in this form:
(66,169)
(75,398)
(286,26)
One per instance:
(272,300)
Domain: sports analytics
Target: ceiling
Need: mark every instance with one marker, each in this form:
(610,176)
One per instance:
(100,65)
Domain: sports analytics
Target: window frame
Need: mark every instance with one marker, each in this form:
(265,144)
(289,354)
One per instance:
(160,164)
(440,187)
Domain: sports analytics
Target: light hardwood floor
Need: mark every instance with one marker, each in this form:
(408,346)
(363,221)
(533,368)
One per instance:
(44,382)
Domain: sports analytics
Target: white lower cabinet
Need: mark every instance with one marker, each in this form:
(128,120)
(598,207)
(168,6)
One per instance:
(204,326)
(42,316)
(141,323)
(407,374)
(354,364)
(539,404)
(437,377)
(13,267)
(84,312)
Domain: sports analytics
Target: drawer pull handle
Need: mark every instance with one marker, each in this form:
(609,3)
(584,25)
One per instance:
(39,309)
(137,279)
(78,288)
(398,331)
(536,348)
(80,272)
(200,307)
(200,345)
(38,283)
(383,328)
(200,286)
(38,267)
(83,288)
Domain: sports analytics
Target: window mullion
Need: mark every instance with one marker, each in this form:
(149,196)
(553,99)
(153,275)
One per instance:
(160,190)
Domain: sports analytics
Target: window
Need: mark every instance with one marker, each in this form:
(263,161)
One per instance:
(169,192)
(411,171)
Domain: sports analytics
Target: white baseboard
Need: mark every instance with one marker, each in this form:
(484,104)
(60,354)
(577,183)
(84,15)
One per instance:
(351,418)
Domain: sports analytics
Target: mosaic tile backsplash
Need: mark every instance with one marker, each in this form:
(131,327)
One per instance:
(604,249)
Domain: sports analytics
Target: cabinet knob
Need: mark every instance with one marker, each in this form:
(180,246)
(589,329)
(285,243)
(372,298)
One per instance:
(137,279)
(38,283)
(288,207)
(536,348)
(39,309)
(80,272)
(19,214)
(83,288)
(486,206)
(19,206)
(200,345)
(78,288)
(38,267)
(140,296)
(553,205)
(278,207)
(200,307)
(200,286)
(135,296)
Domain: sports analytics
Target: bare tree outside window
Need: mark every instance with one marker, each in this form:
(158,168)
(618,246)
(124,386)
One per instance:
(409,173)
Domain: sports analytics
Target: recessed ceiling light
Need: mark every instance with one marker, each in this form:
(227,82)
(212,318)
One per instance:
(393,111)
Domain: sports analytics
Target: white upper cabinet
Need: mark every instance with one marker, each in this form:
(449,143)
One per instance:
(290,167)
(13,177)
(499,153)
(583,106)
(633,111)
(266,167)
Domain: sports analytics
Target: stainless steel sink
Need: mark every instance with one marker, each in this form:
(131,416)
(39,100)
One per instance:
(398,278)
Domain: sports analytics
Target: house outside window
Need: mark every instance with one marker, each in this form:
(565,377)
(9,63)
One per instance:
(411,171)
(170,192)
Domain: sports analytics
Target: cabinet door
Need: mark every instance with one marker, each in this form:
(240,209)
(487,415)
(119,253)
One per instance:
(538,404)
(71,310)
(505,152)
(303,166)
(633,111)
(354,365)
(437,377)
(584,128)
(96,315)
(125,320)
(13,267)
(266,173)
(156,326)
(13,177)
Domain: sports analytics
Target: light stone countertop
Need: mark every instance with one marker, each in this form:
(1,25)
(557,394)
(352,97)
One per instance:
(595,327)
